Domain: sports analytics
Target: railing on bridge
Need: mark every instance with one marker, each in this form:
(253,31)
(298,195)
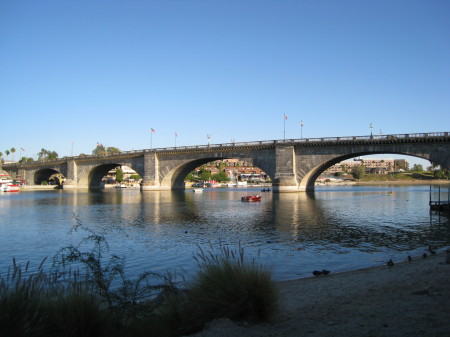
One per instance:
(265,142)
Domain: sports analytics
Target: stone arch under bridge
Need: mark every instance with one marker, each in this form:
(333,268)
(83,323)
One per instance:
(311,165)
(168,171)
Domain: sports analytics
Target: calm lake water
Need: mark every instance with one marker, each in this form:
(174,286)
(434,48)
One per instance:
(335,228)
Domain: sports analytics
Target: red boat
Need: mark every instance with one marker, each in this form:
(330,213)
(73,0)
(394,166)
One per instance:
(250,198)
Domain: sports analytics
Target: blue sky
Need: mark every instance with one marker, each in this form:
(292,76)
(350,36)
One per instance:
(74,73)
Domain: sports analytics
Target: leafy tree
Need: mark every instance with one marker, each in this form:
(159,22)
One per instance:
(99,150)
(441,174)
(135,177)
(7,153)
(119,174)
(102,150)
(205,175)
(358,172)
(112,150)
(190,177)
(26,160)
(46,154)
(417,168)
(13,150)
(221,176)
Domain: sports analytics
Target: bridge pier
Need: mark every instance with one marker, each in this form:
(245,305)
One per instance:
(284,179)
(153,186)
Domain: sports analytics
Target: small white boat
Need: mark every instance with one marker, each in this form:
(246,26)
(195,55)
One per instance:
(7,185)
(198,190)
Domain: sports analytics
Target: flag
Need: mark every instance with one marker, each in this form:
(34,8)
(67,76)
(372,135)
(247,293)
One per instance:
(285,117)
(302,124)
(153,130)
(176,134)
(99,145)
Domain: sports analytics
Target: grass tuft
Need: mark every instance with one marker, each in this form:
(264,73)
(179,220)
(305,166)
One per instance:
(229,286)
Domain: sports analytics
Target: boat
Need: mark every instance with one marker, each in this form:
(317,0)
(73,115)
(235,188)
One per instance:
(390,193)
(251,198)
(198,190)
(265,190)
(8,185)
(120,186)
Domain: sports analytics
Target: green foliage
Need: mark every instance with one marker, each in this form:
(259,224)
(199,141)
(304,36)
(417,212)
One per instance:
(190,177)
(46,154)
(221,176)
(45,182)
(26,160)
(119,175)
(135,177)
(417,168)
(204,174)
(441,174)
(76,298)
(103,151)
(358,172)
(39,304)
(229,286)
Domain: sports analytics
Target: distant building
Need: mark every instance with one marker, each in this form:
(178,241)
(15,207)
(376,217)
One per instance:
(237,170)
(375,166)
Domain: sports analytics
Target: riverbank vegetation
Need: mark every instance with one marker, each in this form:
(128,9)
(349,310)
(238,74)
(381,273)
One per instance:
(86,293)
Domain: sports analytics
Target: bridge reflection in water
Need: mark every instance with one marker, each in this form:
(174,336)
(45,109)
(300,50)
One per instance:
(332,228)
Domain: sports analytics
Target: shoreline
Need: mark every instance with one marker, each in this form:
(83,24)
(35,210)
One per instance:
(409,299)
(343,183)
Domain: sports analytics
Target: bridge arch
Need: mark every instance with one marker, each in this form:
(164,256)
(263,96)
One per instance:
(44,175)
(307,182)
(173,176)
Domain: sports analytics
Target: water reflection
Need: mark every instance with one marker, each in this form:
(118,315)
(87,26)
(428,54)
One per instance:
(334,228)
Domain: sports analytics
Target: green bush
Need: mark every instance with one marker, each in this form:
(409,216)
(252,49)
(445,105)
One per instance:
(61,302)
(229,286)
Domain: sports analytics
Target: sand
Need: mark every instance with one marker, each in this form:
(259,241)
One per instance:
(407,299)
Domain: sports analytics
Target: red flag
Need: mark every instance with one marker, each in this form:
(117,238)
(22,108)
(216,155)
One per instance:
(285,117)
(153,131)
(176,134)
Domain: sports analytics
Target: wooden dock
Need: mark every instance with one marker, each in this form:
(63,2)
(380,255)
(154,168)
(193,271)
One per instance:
(440,205)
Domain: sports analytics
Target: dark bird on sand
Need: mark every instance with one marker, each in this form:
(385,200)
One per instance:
(325,272)
(317,273)
(390,263)
(424,255)
(409,258)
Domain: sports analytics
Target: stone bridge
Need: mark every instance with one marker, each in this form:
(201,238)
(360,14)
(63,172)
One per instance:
(292,164)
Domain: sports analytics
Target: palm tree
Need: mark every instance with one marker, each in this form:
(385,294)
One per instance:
(7,153)
(13,150)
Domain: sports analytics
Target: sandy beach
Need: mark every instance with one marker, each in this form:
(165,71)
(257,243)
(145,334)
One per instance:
(408,299)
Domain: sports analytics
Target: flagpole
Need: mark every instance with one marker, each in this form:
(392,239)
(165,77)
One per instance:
(175,139)
(301,129)
(151,140)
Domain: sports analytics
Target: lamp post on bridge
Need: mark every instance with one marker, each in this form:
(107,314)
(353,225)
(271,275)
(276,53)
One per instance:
(209,137)
(301,129)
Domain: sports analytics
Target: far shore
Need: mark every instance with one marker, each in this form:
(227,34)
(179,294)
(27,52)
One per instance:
(387,182)
(332,183)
